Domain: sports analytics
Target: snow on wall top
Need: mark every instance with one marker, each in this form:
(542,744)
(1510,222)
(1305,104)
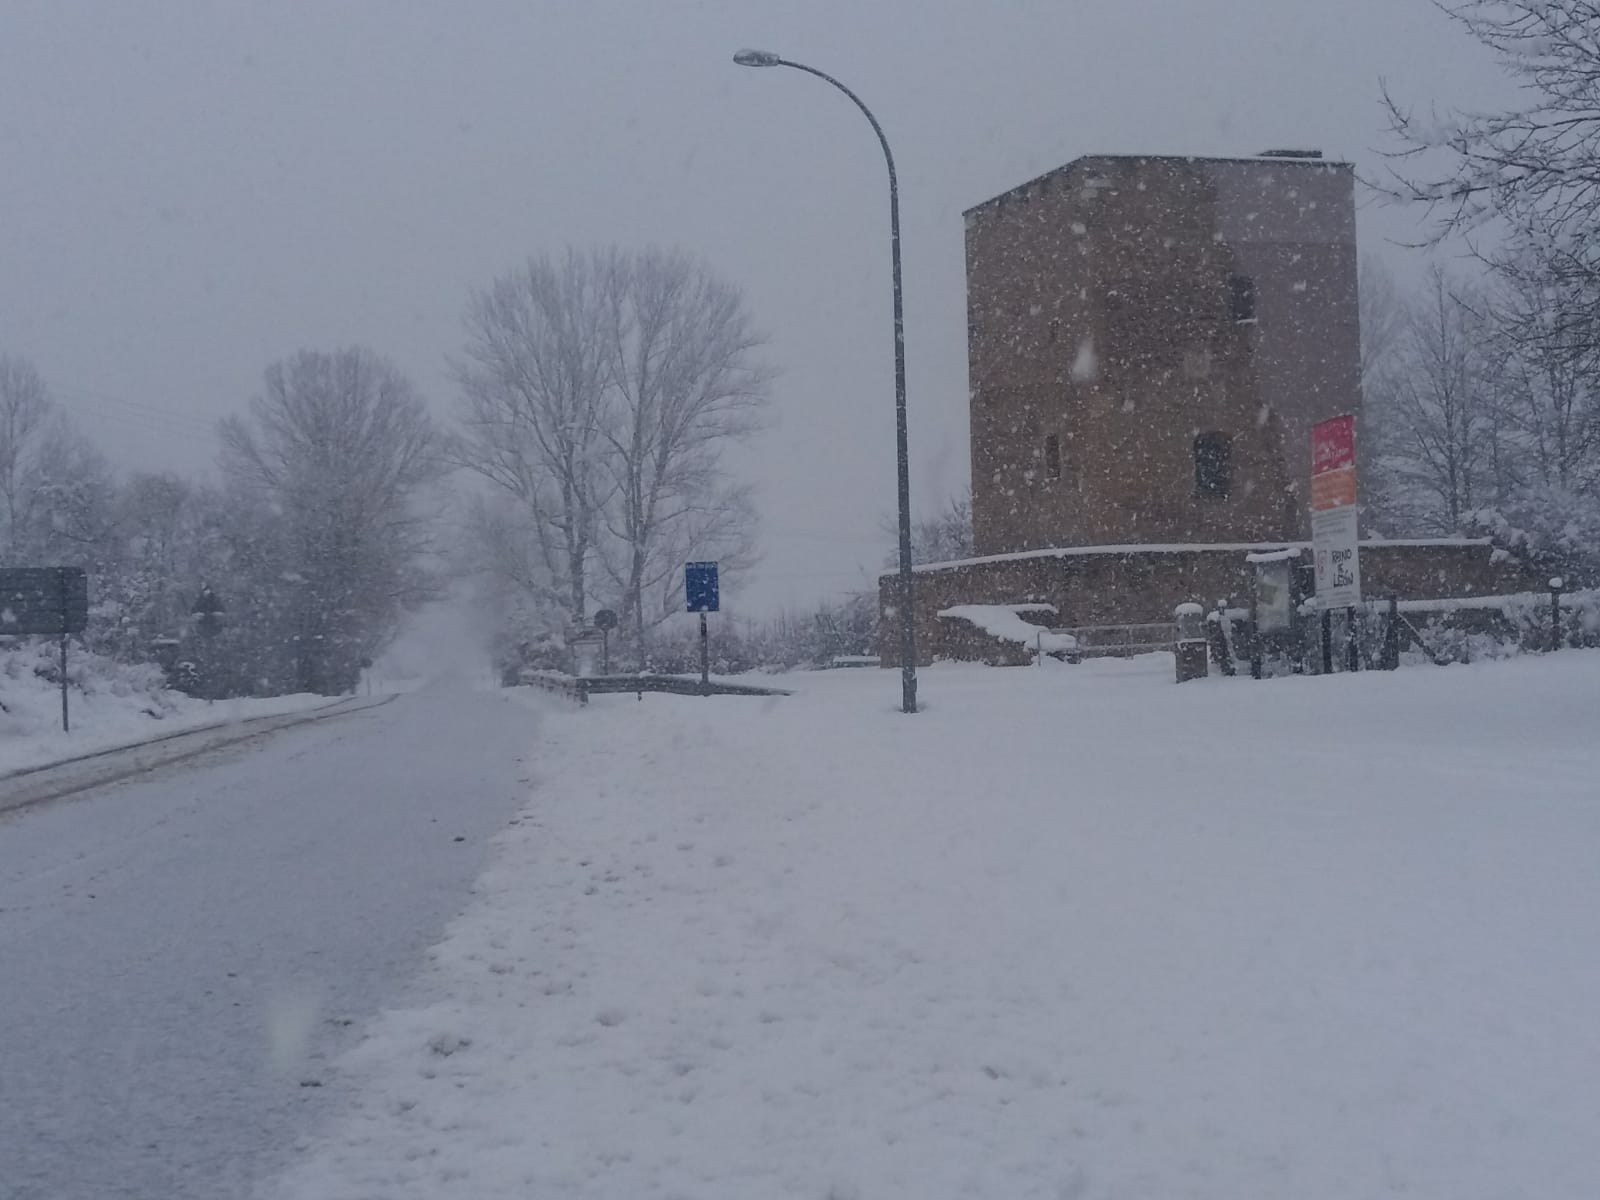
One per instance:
(1178,548)
(1004,621)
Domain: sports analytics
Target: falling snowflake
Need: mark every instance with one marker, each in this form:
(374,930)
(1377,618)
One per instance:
(1085,366)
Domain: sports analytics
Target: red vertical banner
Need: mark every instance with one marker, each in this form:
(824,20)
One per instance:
(1333,445)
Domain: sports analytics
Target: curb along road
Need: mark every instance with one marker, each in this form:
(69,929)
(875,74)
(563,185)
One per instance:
(53,781)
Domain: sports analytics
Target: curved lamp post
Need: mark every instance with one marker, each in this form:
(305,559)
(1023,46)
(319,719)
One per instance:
(908,634)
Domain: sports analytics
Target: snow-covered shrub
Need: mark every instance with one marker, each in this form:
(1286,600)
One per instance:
(1443,639)
(30,677)
(1555,530)
(1506,626)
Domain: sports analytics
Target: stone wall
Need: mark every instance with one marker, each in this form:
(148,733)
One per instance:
(1129,585)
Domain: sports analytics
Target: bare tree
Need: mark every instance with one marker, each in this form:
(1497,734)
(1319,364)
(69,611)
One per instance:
(509,589)
(504,547)
(685,384)
(1382,318)
(1439,431)
(25,410)
(153,566)
(341,447)
(946,536)
(1535,170)
(55,487)
(1550,387)
(599,393)
(1383,312)
(1523,186)
(535,382)
(1539,158)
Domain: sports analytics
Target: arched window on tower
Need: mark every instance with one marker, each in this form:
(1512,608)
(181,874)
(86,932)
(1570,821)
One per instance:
(1213,464)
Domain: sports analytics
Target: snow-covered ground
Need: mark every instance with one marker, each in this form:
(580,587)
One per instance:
(1071,932)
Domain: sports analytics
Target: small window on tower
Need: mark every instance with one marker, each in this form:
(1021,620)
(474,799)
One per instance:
(1213,464)
(1241,298)
(1052,456)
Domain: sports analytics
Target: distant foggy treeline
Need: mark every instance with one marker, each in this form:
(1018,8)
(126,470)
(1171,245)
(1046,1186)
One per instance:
(595,395)
(310,545)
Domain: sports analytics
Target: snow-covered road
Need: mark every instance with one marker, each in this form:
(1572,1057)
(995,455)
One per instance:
(179,954)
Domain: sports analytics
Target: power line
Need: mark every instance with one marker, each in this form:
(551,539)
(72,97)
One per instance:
(826,535)
(102,406)
(90,396)
(177,431)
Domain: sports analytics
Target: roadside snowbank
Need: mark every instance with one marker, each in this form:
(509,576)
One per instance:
(111,704)
(1070,932)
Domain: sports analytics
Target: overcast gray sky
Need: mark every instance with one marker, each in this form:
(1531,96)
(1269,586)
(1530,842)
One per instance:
(191,190)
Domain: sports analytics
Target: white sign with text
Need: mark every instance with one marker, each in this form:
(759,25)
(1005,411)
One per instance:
(1333,513)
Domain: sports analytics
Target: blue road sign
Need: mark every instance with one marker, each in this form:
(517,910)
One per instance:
(700,587)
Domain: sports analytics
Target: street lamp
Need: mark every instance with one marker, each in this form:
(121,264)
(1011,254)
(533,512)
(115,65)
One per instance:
(908,633)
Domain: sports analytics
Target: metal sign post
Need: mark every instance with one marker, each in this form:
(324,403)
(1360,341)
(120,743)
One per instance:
(705,654)
(45,600)
(605,621)
(702,594)
(66,717)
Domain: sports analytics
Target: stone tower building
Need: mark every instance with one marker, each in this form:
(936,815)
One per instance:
(1150,341)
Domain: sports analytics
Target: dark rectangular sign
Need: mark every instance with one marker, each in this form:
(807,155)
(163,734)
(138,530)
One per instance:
(700,586)
(43,600)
